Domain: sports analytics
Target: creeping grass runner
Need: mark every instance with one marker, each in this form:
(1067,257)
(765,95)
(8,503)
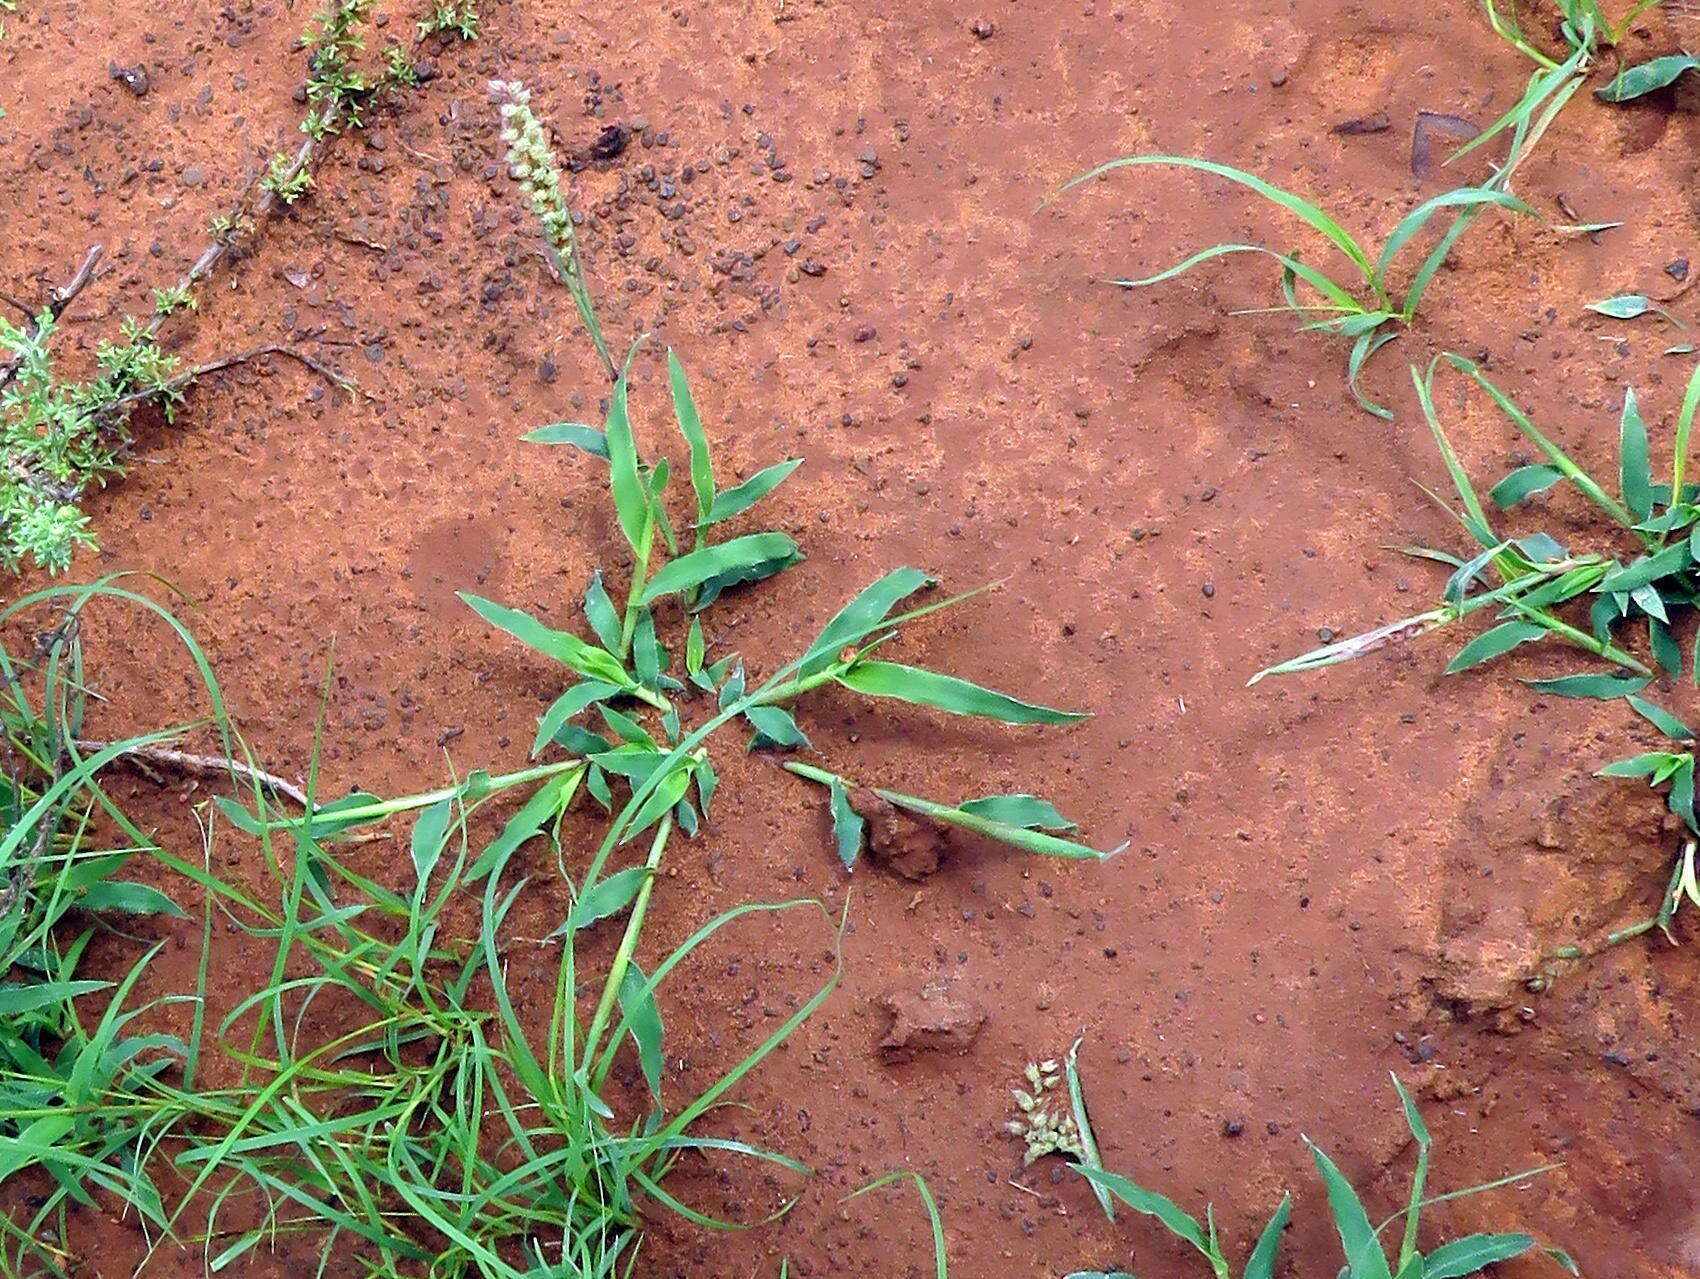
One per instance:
(1527,583)
(1389,1250)
(1368,309)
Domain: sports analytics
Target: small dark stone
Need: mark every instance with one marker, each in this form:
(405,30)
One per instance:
(1677,270)
(810,267)
(1209,589)
(982,28)
(1233,1127)
(609,143)
(135,78)
(1377,123)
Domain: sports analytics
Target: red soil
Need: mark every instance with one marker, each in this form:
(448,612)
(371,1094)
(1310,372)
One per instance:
(1328,877)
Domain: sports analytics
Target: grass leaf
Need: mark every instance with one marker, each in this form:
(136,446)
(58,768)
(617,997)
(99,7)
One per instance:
(847,824)
(1494,643)
(1635,474)
(1646,77)
(690,426)
(861,617)
(1472,1254)
(1590,685)
(947,693)
(1524,482)
(736,500)
(1019,810)
(1364,1257)
(590,439)
(692,570)
(562,646)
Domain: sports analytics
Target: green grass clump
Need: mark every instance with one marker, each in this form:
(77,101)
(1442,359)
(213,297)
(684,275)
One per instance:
(378,1091)
(1584,27)
(1648,585)
(1369,309)
(1585,32)
(1528,579)
(1368,1254)
(625,661)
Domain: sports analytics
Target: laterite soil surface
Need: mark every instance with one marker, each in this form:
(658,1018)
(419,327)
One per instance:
(1328,877)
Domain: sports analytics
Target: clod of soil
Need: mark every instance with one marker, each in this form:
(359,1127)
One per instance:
(929,1020)
(904,844)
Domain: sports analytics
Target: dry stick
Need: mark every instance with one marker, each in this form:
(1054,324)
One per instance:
(166,757)
(200,371)
(223,246)
(57,301)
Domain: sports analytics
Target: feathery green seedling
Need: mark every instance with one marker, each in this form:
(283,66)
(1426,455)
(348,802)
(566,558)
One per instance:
(1368,1254)
(451,18)
(59,438)
(1367,310)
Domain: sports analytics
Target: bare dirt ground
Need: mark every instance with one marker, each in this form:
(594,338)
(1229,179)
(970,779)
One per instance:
(829,210)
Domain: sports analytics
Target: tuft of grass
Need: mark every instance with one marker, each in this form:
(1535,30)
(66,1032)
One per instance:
(1368,307)
(1648,584)
(1371,1251)
(1585,32)
(1529,578)
(626,662)
(378,1092)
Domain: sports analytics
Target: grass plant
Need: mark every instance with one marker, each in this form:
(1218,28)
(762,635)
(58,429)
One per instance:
(379,1090)
(1390,1250)
(1626,597)
(1368,305)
